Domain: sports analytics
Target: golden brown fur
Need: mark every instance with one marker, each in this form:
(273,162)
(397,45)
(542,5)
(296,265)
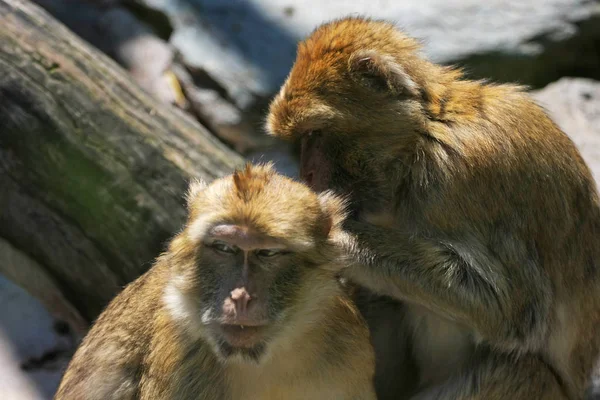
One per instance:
(156,340)
(469,205)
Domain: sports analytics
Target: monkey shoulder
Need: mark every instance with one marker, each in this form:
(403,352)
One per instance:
(108,362)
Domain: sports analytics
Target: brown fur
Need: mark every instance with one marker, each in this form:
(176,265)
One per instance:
(152,342)
(469,205)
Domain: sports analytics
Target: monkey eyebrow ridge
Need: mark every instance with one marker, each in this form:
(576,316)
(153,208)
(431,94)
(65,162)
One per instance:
(243,237)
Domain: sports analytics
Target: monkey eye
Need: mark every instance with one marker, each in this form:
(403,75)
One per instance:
(314,133)
(269,252)
(224,247)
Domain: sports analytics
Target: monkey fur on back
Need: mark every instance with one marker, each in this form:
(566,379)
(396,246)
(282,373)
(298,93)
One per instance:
(470,210)
(244,304)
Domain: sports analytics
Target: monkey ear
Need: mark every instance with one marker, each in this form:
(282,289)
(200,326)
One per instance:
(381,72)
(334,209)
(195,187)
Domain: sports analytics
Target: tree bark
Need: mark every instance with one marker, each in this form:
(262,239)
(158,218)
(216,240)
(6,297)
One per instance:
(92,169)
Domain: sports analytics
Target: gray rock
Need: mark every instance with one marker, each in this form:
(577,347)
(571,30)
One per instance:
(33,353)
(208,101)
(574,104)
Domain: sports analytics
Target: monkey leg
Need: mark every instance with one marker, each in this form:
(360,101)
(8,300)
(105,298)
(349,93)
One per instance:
(500,377)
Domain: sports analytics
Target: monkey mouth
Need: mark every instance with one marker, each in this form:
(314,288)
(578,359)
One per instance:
(243,336)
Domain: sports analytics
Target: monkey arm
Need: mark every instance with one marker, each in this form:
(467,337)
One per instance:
(461,279)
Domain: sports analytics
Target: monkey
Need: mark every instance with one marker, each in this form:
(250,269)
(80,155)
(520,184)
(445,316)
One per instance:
(243,304)
(467,205)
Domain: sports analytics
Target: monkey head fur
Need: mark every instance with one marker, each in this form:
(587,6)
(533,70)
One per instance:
(262,236)
(352,78)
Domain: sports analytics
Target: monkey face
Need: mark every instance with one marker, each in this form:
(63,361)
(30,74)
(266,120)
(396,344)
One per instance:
(254,259)
(327,163)
(251,288)
(242,275)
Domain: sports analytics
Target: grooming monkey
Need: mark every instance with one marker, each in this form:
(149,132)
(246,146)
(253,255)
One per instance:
(244,304)
(467,204)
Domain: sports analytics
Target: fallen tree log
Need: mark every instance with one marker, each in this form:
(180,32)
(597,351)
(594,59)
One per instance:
(92,169)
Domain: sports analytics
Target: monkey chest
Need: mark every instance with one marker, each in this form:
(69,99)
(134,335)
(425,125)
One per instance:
(285,388)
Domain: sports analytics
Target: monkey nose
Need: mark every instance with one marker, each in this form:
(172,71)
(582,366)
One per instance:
(241,298)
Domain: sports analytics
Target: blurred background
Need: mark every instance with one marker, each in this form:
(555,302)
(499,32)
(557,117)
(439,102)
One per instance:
(220,62)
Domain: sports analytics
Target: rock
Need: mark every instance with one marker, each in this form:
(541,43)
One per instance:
(212,106)
(575,106)
(34,349)
(23,270)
